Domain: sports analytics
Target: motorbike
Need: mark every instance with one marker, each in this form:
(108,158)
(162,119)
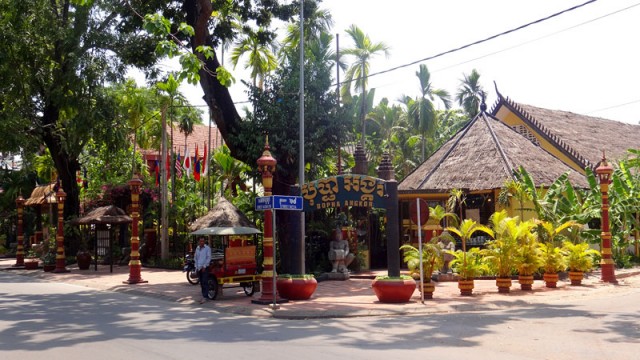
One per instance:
(190,269)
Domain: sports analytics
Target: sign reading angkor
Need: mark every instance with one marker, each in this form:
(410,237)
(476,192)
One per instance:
(344,190)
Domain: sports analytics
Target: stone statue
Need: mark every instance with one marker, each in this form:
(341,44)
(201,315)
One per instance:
(447,244)
(339,254)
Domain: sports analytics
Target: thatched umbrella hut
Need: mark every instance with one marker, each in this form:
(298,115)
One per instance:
(223,219)
(101,217)
(42,199)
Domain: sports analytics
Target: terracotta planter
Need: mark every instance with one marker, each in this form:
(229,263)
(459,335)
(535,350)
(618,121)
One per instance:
(429,288)
(576,277)
(466,287)
(504,285)
(49,268)
(84,260)
(296,289)
(393,290)
(30,265)
(550,280)
(526,282)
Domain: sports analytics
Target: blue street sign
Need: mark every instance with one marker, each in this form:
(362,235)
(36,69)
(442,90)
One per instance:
(264,203)
(281,202)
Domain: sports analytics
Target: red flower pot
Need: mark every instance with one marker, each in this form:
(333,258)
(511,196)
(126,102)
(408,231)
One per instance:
(296,288)
(393,290)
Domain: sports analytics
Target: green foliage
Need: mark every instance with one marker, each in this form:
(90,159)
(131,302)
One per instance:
(552,257)
(528,256)
(296,276)
(392,278)
(579,257)
(431,258)
(500,253)
(468,265)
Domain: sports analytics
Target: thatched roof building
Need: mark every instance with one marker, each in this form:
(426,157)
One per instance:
(104,215)
(42,195)
(485,153)
(223,214)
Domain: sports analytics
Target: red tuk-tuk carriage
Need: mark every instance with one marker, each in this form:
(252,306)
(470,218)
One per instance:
(233,259)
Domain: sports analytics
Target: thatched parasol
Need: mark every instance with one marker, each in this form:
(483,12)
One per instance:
(104,215)
(223,215)
(41,195)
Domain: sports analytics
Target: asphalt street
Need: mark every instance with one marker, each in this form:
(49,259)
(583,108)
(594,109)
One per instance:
(62,321)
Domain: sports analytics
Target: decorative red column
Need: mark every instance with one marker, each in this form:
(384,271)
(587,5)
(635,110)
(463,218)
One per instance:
(604,171)
(135,265)
(20,252)
(60,257)
(267,166)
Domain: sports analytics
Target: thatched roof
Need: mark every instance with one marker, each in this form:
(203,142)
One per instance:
(224,214)
(43,194)
(481,156)
(580,137)
(104,215)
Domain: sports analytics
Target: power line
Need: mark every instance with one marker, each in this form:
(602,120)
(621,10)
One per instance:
(613,107)
(485,39)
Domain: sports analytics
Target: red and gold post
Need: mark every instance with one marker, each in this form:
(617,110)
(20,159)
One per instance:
(604,172)
(20,251)
(135,266)
(267,167)
(60,256)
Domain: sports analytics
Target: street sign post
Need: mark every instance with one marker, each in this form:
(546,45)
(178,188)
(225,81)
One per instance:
(279,202)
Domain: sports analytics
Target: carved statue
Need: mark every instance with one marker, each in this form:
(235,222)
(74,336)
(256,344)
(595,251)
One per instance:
(339,254)
(447,245)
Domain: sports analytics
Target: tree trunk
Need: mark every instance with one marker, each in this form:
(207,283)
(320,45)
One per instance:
(216,95)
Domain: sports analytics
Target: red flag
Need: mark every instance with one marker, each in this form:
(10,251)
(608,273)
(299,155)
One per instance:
(157,173)
(196,166)
(205,171)
(168,165)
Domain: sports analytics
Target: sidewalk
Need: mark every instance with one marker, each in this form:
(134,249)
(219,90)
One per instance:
(332,299)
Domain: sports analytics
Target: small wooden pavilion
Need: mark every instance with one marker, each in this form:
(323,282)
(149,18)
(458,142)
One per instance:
(102,219)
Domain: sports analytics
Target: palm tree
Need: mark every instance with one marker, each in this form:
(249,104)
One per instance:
(470,93)
(364,49)
(229,170)
(465,231)
(261,59)
(424,113)
(317,22)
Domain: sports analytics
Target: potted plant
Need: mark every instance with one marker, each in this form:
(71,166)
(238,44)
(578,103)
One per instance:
(552,258)
(31,260)
(49,261)
(83,256)
(431,260)
(296,287)
(552,263)
(468,265)
(528,260)
(468,268)
(393,289)
(579,258)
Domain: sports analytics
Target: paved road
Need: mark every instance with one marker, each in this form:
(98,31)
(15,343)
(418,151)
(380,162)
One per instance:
(63,321)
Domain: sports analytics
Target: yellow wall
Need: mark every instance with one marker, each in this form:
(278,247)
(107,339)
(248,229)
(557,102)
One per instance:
(509,118)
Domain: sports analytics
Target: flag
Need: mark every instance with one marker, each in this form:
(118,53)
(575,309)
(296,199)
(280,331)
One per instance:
(205,161)
(187,162)
(178,166)
(168,165)
(196,166)
(157,173)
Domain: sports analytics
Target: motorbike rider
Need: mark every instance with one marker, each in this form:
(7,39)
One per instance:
(202,260)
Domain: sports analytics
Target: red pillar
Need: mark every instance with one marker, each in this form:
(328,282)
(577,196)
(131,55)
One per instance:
(604,171)
(20,251)
(60,257)
(135,266)
(267,166)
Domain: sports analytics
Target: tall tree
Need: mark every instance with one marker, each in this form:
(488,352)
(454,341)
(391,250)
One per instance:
(424,111)
(261,59)
(470,93)
(363,50)
(56,57)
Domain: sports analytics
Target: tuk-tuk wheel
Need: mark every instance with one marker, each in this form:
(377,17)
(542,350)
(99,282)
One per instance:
(249,287)
(213,287)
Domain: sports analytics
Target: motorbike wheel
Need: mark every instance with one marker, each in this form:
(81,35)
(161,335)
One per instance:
(249,288)
(213,287)
(192,277)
